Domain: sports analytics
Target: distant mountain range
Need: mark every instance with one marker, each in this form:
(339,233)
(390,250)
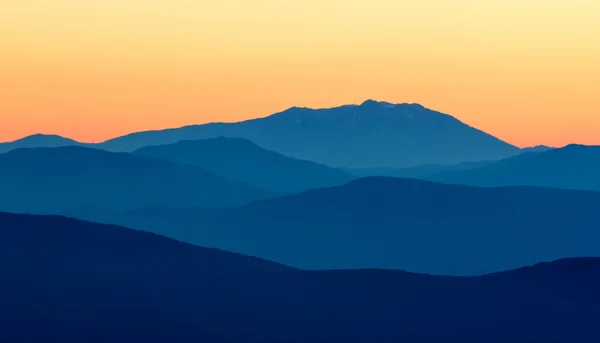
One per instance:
(66,280)
(241,160)
(571,167)
(373,134)
(50,180)
(391,223)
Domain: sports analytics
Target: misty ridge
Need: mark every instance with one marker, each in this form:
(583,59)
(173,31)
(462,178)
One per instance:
(373,222)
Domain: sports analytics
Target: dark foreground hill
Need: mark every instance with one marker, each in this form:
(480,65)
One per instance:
(241,160)
(373,134)
(392,223)
(571,167)
(71,281)
(57,179)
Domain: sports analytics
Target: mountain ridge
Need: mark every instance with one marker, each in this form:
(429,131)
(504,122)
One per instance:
(391,223)
(242,160)
(85,282)
(38,140)
(574,166)
(51,180)
(402,134)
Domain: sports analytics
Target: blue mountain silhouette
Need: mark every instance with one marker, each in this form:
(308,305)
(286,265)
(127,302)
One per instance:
(571,167)
(49,180)
(381,222)
(38,141)
(537,148)
(71,281)
(242,160)
(373,134)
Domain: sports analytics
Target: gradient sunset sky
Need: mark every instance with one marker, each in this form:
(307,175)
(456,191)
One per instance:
(527,71)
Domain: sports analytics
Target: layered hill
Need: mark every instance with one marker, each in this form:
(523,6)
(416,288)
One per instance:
(241,160)
(571,167)
(38,141)
(66,280)
(50,180)
(391,223)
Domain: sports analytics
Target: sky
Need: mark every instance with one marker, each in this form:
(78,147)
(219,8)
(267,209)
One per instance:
(526,71)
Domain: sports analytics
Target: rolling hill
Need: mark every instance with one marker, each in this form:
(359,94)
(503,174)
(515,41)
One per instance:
(38,141)
(391,223)
(71,281)
(50,180)
(241,160)
(571,167)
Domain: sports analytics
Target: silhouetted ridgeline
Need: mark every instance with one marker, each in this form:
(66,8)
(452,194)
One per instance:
(241,160)
(374,134)
(38,141)
(381,222)
(66,280)
(58,179)
(571,167)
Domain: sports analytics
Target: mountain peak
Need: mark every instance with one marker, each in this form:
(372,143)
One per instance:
(370,103)
(44,137)
(37,140)
(375,103)
(577,146)
(537,148)
(402,135)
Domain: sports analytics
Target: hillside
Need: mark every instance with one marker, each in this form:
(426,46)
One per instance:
(82,282)
(571,167)
(50,180)
(392,223)
(38,141)
(241,160)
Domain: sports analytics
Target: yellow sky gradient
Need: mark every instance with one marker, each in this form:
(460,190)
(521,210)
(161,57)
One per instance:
(527,71)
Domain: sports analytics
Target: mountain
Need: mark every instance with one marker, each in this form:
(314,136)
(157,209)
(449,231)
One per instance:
(36,141)
(241,160)
(537,148)
(391,223)
(373,134)
(571,167)
(50,180)
(71,281)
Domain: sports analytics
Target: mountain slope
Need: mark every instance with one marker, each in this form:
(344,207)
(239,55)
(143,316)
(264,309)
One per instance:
(433,171)
(392,223)
(374,134)
(571,167)
(242,160)
(38,141)
(82,282)
(47,180)
(422,171)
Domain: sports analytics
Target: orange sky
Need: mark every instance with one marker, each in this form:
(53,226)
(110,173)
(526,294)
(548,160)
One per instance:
(527,71)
